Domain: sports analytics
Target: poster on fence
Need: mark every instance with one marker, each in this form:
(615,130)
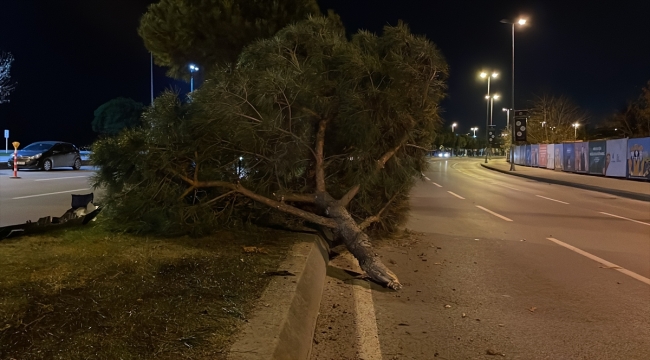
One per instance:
(597,152)
(534,155)
(568,159)
(515,154)
(581,156)
(616,158)
(638,161)
(559,155)
(528,155)
(543,157)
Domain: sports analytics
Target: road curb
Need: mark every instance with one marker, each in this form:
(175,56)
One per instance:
(282,326)
(621,193)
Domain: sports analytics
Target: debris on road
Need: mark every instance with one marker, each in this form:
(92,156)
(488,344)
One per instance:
(494,352)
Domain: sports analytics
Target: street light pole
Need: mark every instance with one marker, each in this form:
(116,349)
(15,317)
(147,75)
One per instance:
(151,78)
(512,148)
(575,131)
(193,69)
(487,110)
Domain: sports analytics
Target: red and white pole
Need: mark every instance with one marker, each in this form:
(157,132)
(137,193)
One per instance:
(15,162)
(16,144)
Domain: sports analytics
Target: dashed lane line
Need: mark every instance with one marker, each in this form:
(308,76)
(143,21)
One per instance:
(493,213)
(53,193)
(62,178)
(606,263)
(456,195)
(548,198)
(624,218)
(436,184)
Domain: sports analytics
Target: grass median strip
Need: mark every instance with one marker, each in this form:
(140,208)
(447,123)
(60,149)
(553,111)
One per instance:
(86,293)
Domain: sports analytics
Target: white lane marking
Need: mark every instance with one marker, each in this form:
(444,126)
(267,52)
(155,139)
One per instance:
(436,184)
(427,178)
(367,333)
(62,178)
(493,213)
(602,261)
(54,193)
(506,186)
(624,218)
(548,198)
(456,195)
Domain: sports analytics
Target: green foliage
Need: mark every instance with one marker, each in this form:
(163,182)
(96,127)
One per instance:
(377,95)
(117,114)
(211,33)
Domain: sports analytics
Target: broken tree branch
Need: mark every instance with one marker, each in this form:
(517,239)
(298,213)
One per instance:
(375,218)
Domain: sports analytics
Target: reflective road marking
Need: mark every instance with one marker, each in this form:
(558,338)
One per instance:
(547,198)
(54,193)
(493,213)
(436,184)
(624,218)
(62,178)
(456,195)
(602,261)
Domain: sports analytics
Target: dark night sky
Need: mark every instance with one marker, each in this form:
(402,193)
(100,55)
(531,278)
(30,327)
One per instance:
(74,55)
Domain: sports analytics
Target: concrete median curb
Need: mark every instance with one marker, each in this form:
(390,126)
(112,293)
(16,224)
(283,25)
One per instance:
(616,192)
(282,326)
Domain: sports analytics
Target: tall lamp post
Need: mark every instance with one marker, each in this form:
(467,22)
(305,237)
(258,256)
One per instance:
(485,75)
(453,126)
(474,130)
(193,69)
(575,130)
(490,100)
(512,148)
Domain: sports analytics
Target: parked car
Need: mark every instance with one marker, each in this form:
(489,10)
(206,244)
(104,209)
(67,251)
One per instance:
(47,155)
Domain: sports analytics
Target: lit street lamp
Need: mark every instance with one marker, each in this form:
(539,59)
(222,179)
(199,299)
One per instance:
(521,22)
(474,130)
(575,130)
(453,126)
(490,100)
(487,110)
(193,69)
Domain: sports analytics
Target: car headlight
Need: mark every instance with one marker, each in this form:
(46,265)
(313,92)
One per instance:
(37,156)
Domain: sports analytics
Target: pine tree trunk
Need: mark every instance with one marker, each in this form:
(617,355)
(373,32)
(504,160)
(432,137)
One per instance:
(358,243)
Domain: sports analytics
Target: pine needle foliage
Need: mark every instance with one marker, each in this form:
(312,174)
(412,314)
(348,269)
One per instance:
(211,32)
(375,97)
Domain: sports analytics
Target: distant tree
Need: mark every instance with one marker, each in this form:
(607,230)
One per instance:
(634,119)
(309,125)
(212,33)
(117,114)
(551,120)
(6,87)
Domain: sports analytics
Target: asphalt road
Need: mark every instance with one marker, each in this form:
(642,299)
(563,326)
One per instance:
(497,265)
(37,193)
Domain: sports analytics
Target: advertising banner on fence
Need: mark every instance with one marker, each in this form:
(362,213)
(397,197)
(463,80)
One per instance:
(543,157)
(528,155)
(515,153)
(581,156)
(568,160)
(616,158)
(638,161)
(534,155)
(521,149)
(597,152)
(558,149)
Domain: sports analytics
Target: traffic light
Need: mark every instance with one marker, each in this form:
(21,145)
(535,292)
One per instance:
(521,118)
(491,134)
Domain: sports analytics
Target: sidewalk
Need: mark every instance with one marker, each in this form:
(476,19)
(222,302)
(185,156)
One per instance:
(638,190)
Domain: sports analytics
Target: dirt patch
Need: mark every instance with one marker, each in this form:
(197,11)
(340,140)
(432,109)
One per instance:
(86,293)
